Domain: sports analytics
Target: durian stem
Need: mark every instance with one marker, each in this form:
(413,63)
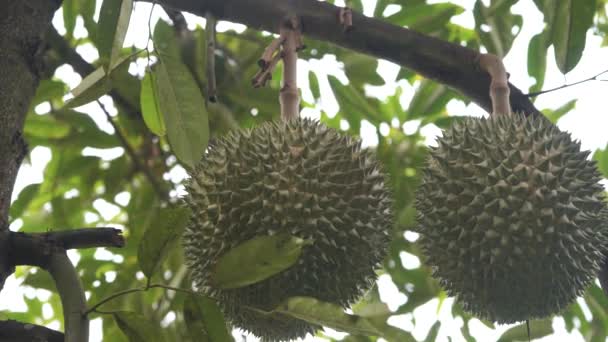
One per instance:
(499,85)
(289,97)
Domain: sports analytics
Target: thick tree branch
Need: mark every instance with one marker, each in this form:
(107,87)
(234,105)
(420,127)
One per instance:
(13,331)
(448,63)
(34,249)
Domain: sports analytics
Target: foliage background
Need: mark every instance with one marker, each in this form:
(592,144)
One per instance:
(110,169)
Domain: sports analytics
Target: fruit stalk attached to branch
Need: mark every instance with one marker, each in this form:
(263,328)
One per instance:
(289,97)
(499,84)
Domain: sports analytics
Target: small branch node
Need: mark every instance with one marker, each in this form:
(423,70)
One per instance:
(345,16)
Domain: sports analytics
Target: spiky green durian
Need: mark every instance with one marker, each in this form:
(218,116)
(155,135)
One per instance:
(509,212)
(300,178)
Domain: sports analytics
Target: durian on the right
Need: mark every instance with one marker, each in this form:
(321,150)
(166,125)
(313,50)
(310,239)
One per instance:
(511,216)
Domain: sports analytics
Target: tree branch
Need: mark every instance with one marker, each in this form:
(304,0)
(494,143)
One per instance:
(451,64)
(131,152)
(35,248)
(13,331)
(73,300)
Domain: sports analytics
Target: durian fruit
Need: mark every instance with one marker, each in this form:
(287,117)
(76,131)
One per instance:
(509,213)
(298,177)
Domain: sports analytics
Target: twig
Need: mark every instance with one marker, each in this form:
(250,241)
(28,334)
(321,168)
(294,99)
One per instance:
(111,297)
(592,78)
(131,152)
(269,53)
(211,83)
(265,74)
(139,289)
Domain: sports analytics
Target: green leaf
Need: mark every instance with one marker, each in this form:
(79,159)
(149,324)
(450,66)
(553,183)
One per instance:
(538,329)
(432,335)
(45,126)
(159,238)
(555,114)
(333,316)
(537,59)
(149,105)
(430,99)
(92,87)
(205,319)
(70,11)
(568,22)
(313,83)
(113,23)
(23,200)
(179,99)
(48,90)
(257,259)
(425,18)
(138,328)
(601,157)
(500,21)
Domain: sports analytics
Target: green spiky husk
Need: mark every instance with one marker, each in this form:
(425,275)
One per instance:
(298,177)
(509,212)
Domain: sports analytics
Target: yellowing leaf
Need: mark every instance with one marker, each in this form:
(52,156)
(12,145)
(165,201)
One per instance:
(257,259)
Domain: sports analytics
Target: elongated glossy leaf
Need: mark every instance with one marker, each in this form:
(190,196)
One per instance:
(204,313)
(537,59)
(149,105)
(496,25)
(113,23)
(333,316)
(138,328)
(180,100)
(257,259)
(159,238)
(122,25)
(568,22)
(538,329)
(70,11)
(91,88)
(555,114)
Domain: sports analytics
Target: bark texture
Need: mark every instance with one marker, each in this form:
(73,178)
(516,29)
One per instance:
(451,64)
(22,25)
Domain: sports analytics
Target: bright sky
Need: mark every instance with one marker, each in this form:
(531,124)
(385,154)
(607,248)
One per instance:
(588,122)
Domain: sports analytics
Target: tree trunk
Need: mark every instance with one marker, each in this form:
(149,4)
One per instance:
(22,26)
